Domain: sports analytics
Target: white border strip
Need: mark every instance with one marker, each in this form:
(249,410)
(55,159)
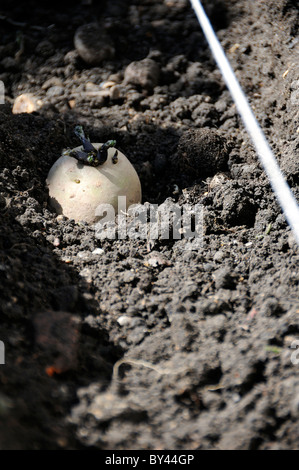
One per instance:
(279,185)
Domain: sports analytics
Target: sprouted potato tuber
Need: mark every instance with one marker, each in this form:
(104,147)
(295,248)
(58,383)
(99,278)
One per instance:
(83,178)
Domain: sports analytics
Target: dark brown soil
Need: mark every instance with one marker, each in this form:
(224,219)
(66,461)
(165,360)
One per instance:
(210,330)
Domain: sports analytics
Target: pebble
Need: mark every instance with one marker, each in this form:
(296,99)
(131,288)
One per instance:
(56,241)
(53,81)
(116,77)
(144,73)
(236,397)
(83,254)
(157,259)
(115,92)
(124,320)
(95,90)
(26,103)
(107,84)
(55,91)
(72,103)
(92,44)
(98,251)
(71,57)
(90,86)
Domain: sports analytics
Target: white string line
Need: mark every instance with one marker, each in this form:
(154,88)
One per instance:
(279,185)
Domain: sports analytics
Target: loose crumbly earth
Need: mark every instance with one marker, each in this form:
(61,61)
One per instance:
(210,329)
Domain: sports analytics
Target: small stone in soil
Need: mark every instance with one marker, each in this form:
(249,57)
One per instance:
(144,73)
(26,103)
(92,44)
